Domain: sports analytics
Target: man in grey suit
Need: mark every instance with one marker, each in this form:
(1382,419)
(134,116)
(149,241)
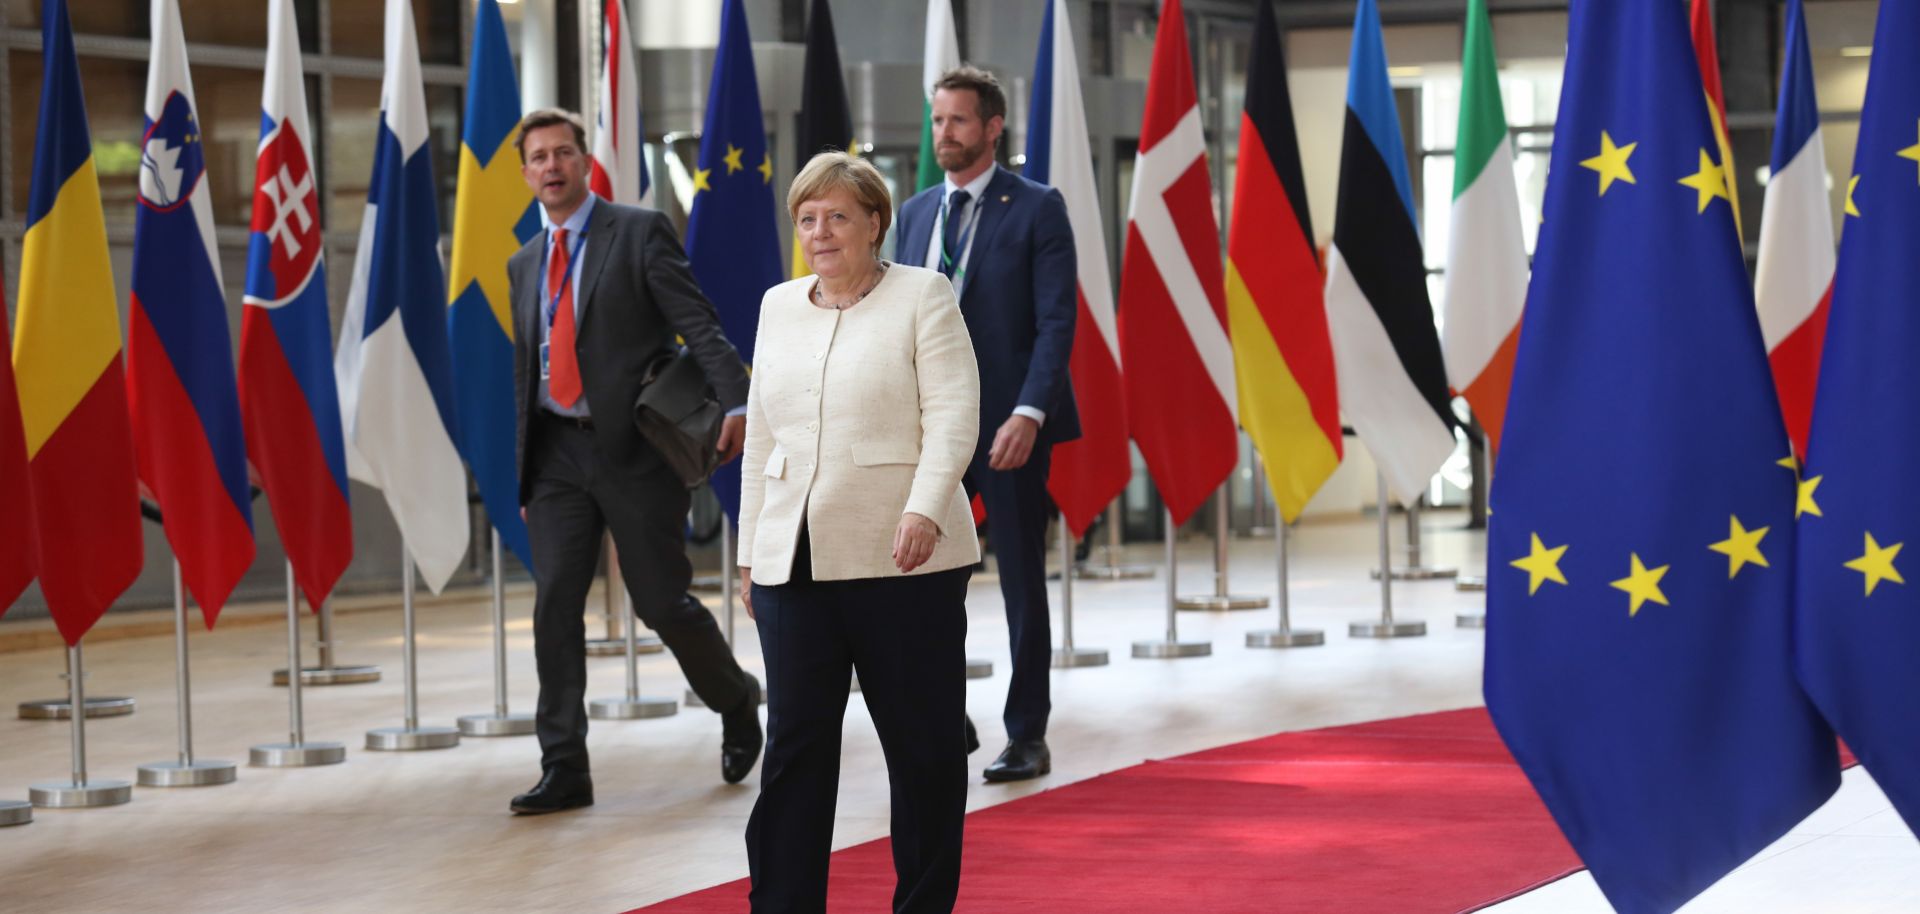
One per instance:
(597,296)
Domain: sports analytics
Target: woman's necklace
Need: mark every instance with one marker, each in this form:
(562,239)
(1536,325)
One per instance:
(820,297)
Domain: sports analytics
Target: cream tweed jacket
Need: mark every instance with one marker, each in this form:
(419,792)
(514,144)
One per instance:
(854,418)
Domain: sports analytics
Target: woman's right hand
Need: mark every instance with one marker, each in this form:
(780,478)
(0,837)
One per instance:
(746,590)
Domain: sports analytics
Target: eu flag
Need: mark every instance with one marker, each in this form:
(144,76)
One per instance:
(732,239)
(1858,619)
(1642,548)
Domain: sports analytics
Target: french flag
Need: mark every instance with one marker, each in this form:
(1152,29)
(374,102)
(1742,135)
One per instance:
(1088,473)
(287,393)
(394,364)
(1793,285)
(187,437)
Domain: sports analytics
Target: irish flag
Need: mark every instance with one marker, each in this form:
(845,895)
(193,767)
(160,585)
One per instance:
(942,54)
(1486,282)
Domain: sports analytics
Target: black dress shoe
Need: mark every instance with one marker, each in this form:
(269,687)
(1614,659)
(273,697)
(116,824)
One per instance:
(556,791)
(740,735)
(1022,760)
(973,736)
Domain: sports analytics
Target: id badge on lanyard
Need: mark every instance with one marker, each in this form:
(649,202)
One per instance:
(553,304)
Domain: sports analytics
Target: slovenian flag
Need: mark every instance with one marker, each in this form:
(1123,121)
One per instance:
(493,215)
(66,359)
(287,392)
(180,378)
(392,364)
(1393,384)
(1793,285)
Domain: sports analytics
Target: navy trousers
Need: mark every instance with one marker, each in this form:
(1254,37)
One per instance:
(1018,508)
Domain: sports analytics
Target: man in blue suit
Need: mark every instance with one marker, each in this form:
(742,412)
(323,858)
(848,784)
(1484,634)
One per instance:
(1006,244)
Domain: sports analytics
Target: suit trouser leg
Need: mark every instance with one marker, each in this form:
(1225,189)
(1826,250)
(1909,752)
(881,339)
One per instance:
(790,834)
(564,526)
(1017,511)
(909,640)
(646,509)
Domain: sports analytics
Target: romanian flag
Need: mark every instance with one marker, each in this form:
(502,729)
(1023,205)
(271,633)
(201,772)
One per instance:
(1857,617)
(1638,661)
(1289,397)
(733,242)
(18,553)
(287,391)
(493,216)
(826,120)
(66,359)
(180,380)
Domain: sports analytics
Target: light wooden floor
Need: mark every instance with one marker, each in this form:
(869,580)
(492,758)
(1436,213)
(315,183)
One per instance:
(430,831)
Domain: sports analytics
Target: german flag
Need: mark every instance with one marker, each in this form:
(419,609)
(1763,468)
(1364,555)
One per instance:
(1289,398)
(66,356)
(826,120)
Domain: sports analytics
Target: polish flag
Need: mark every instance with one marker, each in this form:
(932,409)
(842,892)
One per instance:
(619,170)
(1794,284)
(1179,382)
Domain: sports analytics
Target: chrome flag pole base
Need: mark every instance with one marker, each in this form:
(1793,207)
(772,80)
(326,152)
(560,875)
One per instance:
(331,675)
(305,755)
(631,708)
(15,812)
(1087,571)
(1066,658)
(1221,603)
(410,739)
(496,725)
(1418,573)
(62,709)
(1467,583)
(1378,629)
(1171,649)
(75,796)
(1295,637)
(614,647)
(979,669)
(198,773)
(1471,620)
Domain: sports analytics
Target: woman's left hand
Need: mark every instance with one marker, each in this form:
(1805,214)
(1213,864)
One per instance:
(913,541)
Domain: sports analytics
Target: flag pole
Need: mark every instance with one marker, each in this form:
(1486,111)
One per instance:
(410,736)
(1220,599)
(79,791)
(328,672)
(1286,635)
(296,752)
(500,722)
(1067,655)
(615,644)
(1415,570)
(1110,569)
(1172,646)
(632,706)
(186,771)
(692,698)
(1385,627)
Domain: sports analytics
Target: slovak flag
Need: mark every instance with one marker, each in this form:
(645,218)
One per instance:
(1794,282)
(1182,396)
(619,168)
(187,438)
(1089,472)
(287,394)
(393,363)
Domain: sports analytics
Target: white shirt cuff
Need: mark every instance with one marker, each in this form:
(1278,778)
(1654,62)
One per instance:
(740,410)
(1031,413)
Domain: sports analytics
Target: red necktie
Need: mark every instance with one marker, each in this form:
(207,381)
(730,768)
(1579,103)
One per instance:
(563,381)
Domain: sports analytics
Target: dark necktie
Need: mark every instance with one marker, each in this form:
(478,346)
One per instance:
(950,239)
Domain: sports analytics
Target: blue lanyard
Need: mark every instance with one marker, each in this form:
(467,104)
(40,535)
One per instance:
(966,238)
(553,304)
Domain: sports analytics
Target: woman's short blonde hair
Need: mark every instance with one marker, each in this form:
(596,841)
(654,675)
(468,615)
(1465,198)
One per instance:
(834,171)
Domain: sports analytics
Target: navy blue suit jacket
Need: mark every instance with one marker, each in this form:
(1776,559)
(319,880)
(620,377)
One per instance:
(1020,298)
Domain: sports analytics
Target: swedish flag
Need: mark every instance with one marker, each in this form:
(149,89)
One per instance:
(1643,529)
(732,239)
(493,215)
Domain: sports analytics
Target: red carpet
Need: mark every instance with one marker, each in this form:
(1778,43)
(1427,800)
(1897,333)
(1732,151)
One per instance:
(1415,815)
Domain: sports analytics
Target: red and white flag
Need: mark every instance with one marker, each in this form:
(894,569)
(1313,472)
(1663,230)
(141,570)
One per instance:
(1090,471)
(1794,282)
(619,169)
(1179,381)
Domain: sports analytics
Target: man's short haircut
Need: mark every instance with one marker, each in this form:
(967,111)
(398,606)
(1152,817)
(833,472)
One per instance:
(834,171)
(993,101)
(549,117)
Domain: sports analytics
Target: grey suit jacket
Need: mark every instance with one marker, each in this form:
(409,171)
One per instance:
(636,292)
